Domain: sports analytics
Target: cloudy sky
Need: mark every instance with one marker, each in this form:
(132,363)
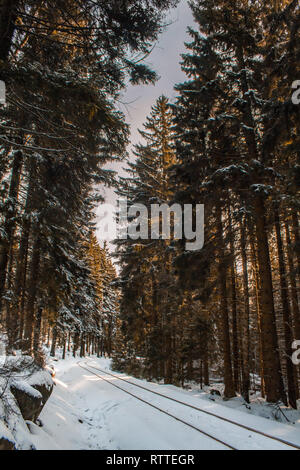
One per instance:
(165,60)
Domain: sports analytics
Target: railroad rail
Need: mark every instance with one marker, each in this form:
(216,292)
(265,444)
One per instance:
(209,413)
(195,428)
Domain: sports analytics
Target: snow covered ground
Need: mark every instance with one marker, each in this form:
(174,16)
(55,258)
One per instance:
(86,412)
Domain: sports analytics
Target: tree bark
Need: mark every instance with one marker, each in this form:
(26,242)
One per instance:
(54,339)
(270,349)
(295,227)
(293,283)
(16,313)
(32,291)
(288,328)
(9,222)
(75,343)
(82,346)
(9,317)
(37,330)
(258,313)
(206,369)
(8,16)
(64,346)
(245,337)
(18,302)
(235,342)
(229,391)
(293,288)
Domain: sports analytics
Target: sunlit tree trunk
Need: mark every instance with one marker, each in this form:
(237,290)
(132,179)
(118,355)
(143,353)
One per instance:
(245,330)
(54,340)
(295,227)
(229,391)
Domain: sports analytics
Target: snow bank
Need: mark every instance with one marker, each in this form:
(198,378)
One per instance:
(24,390)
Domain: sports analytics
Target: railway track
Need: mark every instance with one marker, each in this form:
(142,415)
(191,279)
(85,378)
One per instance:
(195,428)
(209,413)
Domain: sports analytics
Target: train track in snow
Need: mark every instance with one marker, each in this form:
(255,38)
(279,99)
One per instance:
(193,407)
(195,428)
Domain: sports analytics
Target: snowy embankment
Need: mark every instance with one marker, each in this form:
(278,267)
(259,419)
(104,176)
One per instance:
(86,412)
(24,390)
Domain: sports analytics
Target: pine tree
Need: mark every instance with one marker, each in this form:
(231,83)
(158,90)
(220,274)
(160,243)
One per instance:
(146,264)
(226,118)
(57,133)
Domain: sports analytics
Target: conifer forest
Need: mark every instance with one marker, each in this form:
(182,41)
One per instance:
(206,314)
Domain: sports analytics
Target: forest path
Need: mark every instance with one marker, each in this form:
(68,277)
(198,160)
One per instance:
(87,412)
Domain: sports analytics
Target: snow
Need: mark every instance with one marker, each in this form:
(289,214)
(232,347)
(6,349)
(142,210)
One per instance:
(5,433)
(18,371)
(86,412)
(16,430)
(26,388)
(41,377)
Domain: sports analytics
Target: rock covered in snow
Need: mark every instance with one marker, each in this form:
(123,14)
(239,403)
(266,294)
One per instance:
(25,388)
(29,400)
(32,393)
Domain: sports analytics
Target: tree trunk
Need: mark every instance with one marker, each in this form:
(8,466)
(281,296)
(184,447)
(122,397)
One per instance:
(288,328)
(37,330)
(54,339)
(18,302)
(293,287)
(23,281)
(270,351)
(8,17)
(206,369)
(235,343)
(258,313)
(295,227)
(9,222)
(82,346)
(229,391)
(75,343)
(293,290)
(201,375)
(245,336)
(32,291)
(272,367)
(64,346)
(169,362)
(10,330)
(48,336)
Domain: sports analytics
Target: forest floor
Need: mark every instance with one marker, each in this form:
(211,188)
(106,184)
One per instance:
(86,412)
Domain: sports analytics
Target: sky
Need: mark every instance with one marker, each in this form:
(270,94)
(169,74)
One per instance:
(165,60)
